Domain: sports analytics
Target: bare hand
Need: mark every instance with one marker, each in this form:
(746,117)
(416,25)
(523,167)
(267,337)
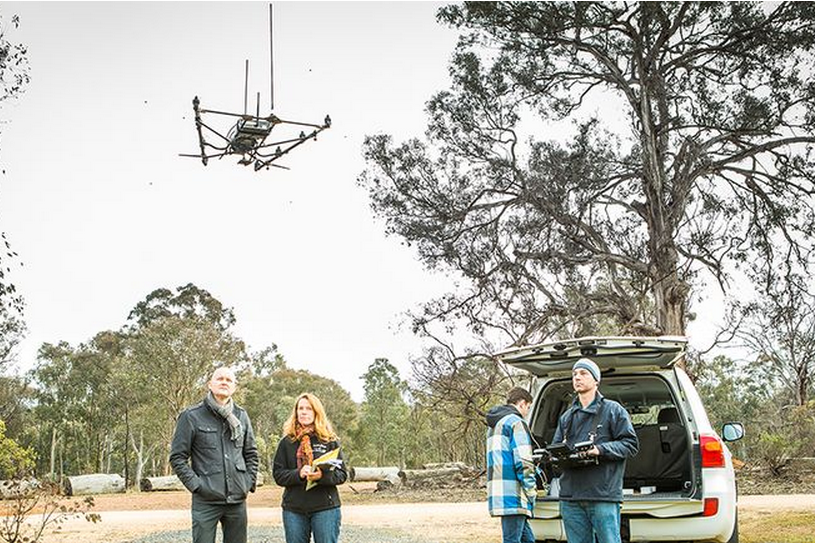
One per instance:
(315,475)
(304,471)
(594,451)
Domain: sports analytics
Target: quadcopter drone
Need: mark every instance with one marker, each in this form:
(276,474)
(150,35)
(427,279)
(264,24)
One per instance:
(251,136)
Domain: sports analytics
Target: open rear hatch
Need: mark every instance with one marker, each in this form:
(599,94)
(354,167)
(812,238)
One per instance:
(610,353)
(658,480)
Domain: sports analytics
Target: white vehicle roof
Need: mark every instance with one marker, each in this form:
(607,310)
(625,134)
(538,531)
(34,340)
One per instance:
(609,353)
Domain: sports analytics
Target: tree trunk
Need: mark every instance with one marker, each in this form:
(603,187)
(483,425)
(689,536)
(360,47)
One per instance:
(109,453)
(125,449)
(670,299)
(669,290)
(141,457)
(802,387)
(51,472)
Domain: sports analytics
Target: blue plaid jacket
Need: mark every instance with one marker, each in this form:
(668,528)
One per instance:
(510,471)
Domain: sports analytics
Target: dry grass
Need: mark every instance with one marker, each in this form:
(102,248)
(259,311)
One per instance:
(777,527)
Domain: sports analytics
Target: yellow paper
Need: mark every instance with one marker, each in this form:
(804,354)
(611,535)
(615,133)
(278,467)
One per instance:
(324,460)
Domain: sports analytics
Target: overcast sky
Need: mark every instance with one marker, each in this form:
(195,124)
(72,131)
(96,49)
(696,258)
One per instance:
(102,210)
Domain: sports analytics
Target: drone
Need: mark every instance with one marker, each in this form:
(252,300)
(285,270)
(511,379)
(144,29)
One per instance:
(250,137)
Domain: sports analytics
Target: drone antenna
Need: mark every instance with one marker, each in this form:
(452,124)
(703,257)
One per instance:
(271,59)
(246,88)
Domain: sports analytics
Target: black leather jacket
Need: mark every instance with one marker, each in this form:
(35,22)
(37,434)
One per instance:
(222,471)
(296,498)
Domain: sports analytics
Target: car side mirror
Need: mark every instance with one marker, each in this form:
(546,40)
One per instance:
(732,431)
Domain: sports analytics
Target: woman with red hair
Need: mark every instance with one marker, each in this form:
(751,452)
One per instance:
(311,503)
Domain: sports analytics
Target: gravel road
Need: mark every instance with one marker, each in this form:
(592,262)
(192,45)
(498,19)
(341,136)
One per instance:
(274,534)
(466,522)
(380,523)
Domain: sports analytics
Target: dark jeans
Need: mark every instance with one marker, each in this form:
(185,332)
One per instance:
(516,529)
(325,525)
(585,520)
(206,516)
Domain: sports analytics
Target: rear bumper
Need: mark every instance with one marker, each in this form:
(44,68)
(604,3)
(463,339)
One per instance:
(650,529)
(662,520)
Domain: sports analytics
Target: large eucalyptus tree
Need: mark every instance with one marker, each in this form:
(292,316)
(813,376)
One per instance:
(710,169)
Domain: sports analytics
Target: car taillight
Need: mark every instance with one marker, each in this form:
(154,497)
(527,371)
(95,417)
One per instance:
(712,451)
(711,507)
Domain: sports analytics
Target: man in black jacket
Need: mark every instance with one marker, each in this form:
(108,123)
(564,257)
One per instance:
(217,436)
(591,491)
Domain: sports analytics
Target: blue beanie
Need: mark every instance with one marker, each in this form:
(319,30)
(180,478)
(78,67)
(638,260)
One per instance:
(589,366)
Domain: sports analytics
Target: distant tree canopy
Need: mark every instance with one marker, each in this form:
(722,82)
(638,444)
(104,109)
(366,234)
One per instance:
(186,302)
(713,170)
(385,414)
(779,330)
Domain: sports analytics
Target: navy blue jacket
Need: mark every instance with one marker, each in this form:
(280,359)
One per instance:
(616,441)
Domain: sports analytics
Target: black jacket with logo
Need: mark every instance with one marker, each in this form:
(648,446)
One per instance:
(296,498)
(222,471)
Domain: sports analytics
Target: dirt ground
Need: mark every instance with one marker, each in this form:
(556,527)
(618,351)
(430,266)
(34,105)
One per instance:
(271,496)
(128,516)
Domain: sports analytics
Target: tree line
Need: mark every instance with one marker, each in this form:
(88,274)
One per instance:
(556,221)
(110,403)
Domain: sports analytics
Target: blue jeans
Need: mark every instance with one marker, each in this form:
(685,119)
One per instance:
(585,520)
(325,525)
(516,529)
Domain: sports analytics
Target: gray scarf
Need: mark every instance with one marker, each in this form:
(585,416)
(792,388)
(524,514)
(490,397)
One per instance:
(225,412)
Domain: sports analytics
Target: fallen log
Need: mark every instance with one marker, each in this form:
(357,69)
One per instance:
(158,484)
(363,473)
(391,483)
(461,466)
(95,483)
(18,488)
(436,477)
(172,482)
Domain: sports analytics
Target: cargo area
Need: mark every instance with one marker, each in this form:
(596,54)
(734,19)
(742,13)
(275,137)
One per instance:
(662,467)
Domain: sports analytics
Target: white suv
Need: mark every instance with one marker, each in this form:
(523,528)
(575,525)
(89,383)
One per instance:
(680,486)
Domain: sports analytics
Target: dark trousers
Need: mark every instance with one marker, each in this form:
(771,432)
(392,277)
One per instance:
(206,516)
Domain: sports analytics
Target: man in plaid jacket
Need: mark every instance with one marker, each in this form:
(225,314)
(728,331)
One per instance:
(510,471)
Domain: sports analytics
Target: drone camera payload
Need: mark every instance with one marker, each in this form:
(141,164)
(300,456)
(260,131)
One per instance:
(249,136)
(247,133)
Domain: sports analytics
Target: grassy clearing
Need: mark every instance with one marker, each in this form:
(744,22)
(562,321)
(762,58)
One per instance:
(777,527)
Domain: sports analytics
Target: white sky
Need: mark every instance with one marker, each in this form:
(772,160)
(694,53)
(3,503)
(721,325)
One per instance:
(102,210)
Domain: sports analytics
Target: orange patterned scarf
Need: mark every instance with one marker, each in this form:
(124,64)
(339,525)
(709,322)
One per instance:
(305,455)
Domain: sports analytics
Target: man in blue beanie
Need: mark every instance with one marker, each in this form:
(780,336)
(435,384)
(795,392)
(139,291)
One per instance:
(591,492)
